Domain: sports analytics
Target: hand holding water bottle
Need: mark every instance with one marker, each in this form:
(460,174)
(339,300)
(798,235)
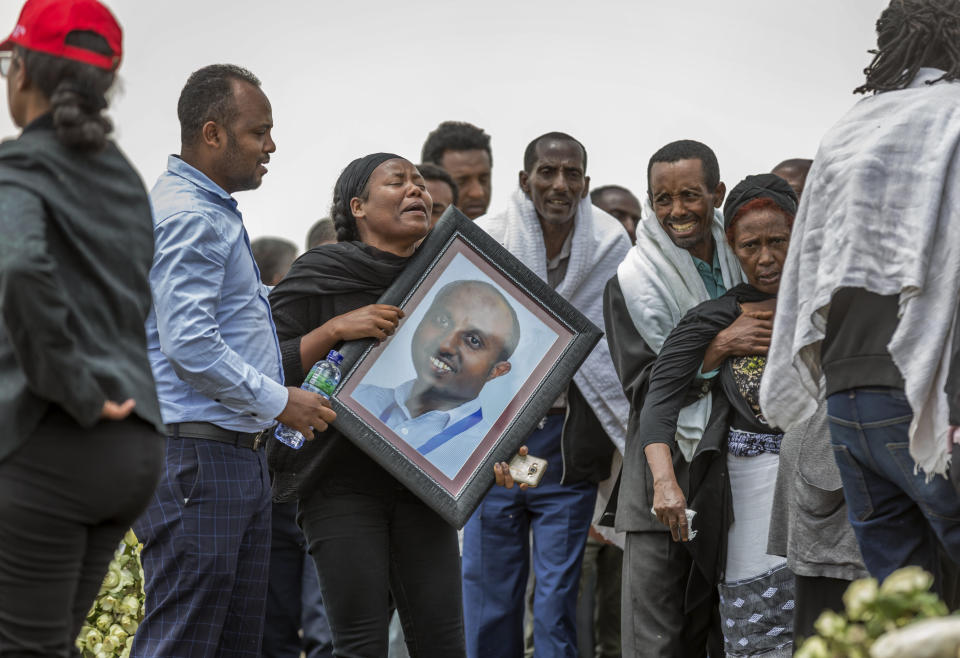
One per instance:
(306,410)
(320,383)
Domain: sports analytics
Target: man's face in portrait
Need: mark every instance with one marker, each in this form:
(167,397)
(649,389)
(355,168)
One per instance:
(462,342)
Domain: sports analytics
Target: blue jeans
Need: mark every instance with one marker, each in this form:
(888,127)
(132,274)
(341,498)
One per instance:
(496,559)
(897,515)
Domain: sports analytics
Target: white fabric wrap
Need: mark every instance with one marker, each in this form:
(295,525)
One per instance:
(880,211)
(660,285)
(598,245)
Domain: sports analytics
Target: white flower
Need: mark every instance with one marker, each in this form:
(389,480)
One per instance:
(814,647)
(859,597)
(104,621)
(829,624)
(129,605)
(906,581)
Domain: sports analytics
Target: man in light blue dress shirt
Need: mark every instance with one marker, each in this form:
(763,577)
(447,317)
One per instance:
(464,341)
(216,360)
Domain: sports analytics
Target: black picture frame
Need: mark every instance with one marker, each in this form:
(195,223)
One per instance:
(456,497)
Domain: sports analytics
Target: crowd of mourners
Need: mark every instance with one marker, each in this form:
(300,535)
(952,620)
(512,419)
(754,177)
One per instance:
(769,414)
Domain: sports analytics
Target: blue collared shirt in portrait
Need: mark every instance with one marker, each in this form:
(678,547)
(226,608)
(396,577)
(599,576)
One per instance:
(389,405)
(210,336)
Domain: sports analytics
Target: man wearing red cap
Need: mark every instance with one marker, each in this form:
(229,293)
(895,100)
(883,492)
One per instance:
(81,449)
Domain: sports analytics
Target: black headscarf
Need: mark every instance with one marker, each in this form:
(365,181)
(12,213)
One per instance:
(356,174)
(760,186)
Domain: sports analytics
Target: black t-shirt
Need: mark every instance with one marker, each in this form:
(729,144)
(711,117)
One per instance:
(854,351)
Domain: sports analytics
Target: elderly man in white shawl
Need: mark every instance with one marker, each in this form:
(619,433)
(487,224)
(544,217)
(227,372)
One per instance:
(869,290)
(680,260)
(551,227)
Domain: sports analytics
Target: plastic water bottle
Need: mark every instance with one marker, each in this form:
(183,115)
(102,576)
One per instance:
(322,380)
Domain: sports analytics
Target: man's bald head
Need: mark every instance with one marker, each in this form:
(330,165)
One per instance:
(495,301)
(464,340)
(794,171)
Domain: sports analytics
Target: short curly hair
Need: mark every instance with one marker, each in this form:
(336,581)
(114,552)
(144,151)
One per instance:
(454,136)
(208,96)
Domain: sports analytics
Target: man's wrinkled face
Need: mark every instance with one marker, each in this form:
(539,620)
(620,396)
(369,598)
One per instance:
(557,181)
(471,171)
(459,344)
(760,241)
(682,201)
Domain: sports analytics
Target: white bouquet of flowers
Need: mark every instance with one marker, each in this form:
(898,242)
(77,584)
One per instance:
(118,608)
(873,611)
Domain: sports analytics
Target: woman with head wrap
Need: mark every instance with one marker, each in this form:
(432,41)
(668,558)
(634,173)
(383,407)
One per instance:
(728,537)
(369,536)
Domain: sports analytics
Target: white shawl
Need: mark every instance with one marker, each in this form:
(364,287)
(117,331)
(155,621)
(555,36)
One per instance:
(660,285)
(880,211)
(598,245)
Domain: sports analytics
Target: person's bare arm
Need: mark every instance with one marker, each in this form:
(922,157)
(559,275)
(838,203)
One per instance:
(669,503)
(372,321)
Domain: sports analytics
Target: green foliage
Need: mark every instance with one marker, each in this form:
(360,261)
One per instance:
(872,610)
(118,608)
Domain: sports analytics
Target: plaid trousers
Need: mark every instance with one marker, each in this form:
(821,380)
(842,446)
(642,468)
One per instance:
(206,550)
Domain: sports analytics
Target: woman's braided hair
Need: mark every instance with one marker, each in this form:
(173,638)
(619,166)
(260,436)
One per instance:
(77,92)
(343,219)
(912,34)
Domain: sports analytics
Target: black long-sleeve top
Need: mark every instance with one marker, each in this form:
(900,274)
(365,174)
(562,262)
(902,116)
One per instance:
(679,363)
(323,283)
(76,246)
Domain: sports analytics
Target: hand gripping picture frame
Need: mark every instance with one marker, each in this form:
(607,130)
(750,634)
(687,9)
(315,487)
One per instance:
(483,351)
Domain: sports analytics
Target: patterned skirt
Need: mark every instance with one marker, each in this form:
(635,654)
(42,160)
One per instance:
(757,595)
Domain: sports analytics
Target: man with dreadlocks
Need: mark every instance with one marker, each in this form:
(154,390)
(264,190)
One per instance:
(870,288)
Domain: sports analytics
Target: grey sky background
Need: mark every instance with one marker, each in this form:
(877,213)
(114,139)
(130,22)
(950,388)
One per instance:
(757,80)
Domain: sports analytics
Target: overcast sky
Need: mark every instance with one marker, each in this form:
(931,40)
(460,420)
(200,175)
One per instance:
(757,80)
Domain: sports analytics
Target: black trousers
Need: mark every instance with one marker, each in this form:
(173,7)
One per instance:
(656,570)
(66,499)
(369,544)
(814,594)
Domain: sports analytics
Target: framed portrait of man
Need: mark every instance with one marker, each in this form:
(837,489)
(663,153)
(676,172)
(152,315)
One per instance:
(484,349)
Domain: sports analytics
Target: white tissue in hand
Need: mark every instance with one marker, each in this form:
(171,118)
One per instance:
(691,533)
